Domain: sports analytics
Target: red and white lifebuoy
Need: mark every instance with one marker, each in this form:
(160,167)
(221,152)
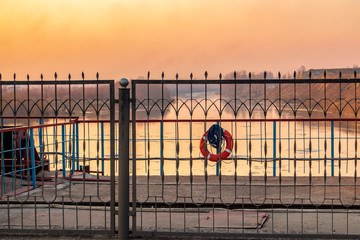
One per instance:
(216,157)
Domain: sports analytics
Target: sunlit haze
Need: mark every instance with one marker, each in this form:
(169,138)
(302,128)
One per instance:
(128,38)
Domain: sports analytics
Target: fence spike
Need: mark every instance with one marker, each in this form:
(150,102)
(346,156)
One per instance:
(279,75)
(177,76)
(191,76)
(310,74)
(249,75)
(55,76)
(97,75)
(148,75)
(69,77)
(340,74)
(206,75)
(162,76)
(14,76)
(324,74)
(354,74)
(234,75)
(83,75)
(27,77)
(41,77)
(220,76)
(264,74)
(0,76)
(294,74)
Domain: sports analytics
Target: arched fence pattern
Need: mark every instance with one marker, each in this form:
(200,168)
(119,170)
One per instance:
(293,169)
(57,155)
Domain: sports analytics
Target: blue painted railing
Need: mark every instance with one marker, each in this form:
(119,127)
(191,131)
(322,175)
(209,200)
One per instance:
(74,138)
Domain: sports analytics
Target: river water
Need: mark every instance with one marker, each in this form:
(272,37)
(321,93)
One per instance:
(309,156)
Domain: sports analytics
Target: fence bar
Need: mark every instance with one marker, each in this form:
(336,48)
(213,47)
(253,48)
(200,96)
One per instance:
(112,157)
(102,148)
(73,150)
(40,140)
(2,165)
(332,148)
(161,147)
(77,146)
(123,178)
(133,178)
(145,146)
(2,151)
(13,159)
(274,149)
(20,155)
(33,166)
(63,149)
(218,162)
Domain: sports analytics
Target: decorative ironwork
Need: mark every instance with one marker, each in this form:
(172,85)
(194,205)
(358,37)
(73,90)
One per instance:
(294,160)
(52,166)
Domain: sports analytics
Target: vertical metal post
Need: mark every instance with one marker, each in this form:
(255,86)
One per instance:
(218,162)
(13,149)
(77,146)
(20,155)
(123,178)
(112,157)
(2,153)
(102,148)
(332,148)
(32,149)
(274,149)
(40,140)
(133,133)
(304,147)
(63,149)
(161,146)
(261,142)
(89,144)
(145,146)
(73,149)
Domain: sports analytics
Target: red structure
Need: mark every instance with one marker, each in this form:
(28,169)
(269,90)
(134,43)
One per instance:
(16,152)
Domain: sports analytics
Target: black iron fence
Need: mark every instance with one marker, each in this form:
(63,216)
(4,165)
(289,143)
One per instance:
(57,155)
(286,164)
(290,168)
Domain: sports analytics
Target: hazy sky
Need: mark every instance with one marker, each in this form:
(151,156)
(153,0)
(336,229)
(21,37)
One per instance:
(129,37)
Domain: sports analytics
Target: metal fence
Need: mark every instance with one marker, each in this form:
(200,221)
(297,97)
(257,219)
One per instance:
(292,170)
(57,155)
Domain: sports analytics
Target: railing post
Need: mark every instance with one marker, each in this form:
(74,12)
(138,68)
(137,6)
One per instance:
(40,140)
(13,161)
(102,148)
(63,150)
(161,147)
(218,162)
(33,166)
(145,154)
(123,177)
(20,155)
(2,157)
(332,148)
(77,146)
(274,149)
(72,163)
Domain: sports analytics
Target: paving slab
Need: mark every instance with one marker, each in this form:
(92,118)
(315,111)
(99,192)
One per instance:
(226,204)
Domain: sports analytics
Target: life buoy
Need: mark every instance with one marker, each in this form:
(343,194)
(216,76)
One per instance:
(216,157)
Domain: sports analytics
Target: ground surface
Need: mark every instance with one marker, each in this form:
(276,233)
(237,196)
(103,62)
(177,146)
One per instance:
(225,205)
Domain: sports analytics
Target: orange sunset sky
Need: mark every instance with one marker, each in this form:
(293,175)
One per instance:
(126,38)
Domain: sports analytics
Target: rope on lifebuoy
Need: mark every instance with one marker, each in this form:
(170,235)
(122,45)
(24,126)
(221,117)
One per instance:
(216,157)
